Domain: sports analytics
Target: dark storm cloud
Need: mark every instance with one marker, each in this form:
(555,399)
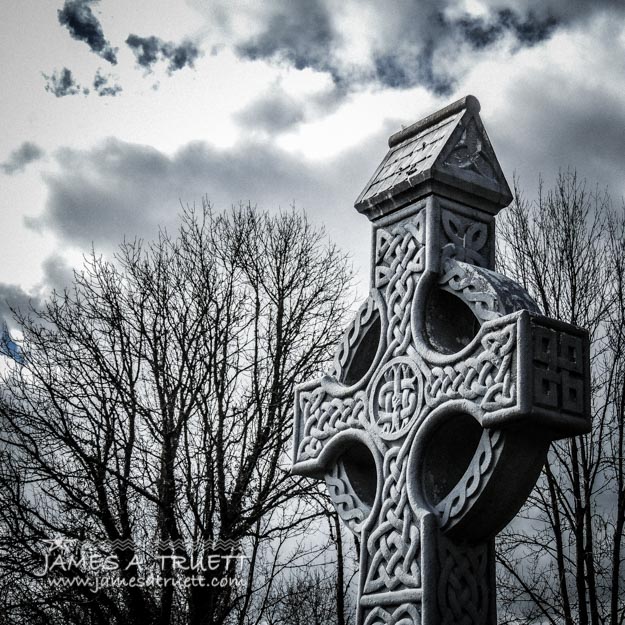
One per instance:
(412,68)
(13,297)
(555,125)
(149,50)
(83,25)
(120,189)
(62,83)
(273,112)
(410,44)
(57,274)
(299,31)
(145,49)
(529,29)
(20,157)
(103,87)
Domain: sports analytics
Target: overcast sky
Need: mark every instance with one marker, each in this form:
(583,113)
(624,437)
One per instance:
(115,112)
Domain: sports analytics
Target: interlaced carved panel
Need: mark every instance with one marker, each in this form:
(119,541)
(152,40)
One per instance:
(468,488)
(404,614)
(363,320)
(486,376)
(474,290)
(349,506)
(401,257)
(558,370)
(324,416)
(396,397)
(473,153)
(464,239)
(463,584)
(394,545)
(399,248)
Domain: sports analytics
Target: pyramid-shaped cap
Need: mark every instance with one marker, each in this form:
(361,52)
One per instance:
(448,154)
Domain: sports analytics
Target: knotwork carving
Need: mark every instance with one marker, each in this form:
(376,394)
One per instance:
(400,248)
(394,545)
(471,153)
(464,239)
(485,375)
(488,294)
(404,614)
(397,392)
(349,506)
(403,249)
(325,416)
(476,475)
(463,592)
(558,371)
(365,317)
(473,288)
(446,388)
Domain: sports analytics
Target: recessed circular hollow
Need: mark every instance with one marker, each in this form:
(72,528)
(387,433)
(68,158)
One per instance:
(448,453)
(450,324)
(361,472)
(364,353)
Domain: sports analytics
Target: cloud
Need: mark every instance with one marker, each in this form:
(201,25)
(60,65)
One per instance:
(27,153)
(83,25)
(13,297)
(557,107)
(569,129)
(363,42)
(273,112)
(62,83)
(120,189)
(102,86)
(57,273)
(299,31)
(482,32)
(546,106)
(149,50)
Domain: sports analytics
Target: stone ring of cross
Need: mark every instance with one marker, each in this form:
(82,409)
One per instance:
(447,388)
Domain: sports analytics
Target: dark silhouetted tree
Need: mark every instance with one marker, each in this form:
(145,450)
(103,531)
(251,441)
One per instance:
(561,561)
(151,412)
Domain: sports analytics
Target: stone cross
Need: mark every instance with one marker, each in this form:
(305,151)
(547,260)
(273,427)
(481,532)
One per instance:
(447,388)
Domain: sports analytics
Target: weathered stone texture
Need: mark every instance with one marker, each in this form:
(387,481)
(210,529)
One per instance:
(447,388)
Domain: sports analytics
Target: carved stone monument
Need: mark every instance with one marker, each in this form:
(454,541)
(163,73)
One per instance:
(447,388)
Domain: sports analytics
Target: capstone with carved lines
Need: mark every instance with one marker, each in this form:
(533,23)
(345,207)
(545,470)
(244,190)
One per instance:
(447,388)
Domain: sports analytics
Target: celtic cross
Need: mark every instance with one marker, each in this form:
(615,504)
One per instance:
(447,388)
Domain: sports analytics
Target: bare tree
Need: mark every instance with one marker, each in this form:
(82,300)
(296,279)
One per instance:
(150,411)
(562,560)
(308,595)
